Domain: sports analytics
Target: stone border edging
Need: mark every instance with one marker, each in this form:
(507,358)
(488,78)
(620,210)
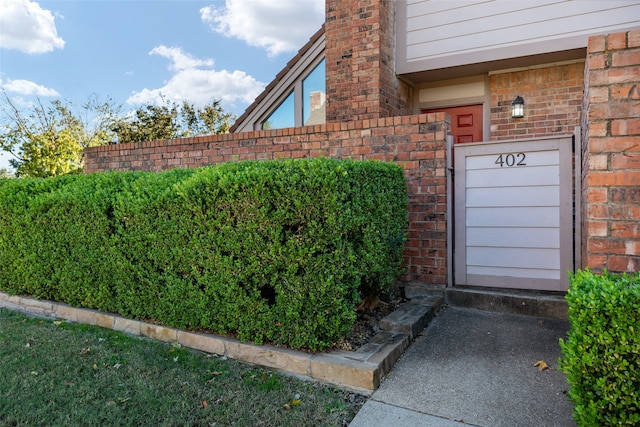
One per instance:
(360,370)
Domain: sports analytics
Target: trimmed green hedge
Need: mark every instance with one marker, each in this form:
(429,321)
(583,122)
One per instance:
(601,356)
(277,251)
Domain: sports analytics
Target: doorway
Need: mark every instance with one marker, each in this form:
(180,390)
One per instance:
(466,122)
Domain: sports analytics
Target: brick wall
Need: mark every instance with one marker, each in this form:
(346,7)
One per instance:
(611,175)
(415,142)
(553,101)
(359,52)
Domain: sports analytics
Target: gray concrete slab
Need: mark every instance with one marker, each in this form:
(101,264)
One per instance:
(477,367)
(382,414)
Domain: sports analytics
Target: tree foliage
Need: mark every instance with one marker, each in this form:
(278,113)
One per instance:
(49,140)
(171,120)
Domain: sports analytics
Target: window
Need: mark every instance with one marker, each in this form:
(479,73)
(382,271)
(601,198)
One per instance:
(313,96)
(304,77)
(283,116)
(304,105)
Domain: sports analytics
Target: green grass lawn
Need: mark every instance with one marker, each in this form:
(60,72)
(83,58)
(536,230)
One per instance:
(66,374)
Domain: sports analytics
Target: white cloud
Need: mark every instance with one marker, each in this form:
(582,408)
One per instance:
(275,25)
(26,87)
(195,81)
(27,27)
(180,60)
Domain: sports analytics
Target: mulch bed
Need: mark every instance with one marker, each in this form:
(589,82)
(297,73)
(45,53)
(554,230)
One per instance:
(367,325)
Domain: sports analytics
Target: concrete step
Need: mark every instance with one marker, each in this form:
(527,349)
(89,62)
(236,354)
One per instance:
(413,316)
(528,303)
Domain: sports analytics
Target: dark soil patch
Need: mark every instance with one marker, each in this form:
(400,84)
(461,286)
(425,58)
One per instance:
(367,325)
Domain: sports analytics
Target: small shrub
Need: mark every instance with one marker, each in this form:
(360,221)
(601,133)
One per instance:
(601,356)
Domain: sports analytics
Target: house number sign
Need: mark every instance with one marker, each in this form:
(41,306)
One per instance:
(511,159)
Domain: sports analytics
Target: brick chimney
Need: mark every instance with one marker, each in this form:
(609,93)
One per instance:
(360,62)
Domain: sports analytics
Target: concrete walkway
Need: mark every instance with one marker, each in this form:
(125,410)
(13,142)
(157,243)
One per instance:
(477,368)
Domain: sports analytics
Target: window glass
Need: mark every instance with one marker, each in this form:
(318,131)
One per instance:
(283,116)
(314,95)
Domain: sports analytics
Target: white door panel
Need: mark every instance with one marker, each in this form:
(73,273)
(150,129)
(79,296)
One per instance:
(514,236)
(534,175)
(513,257)
(512,217)
(530,159)
(544,195)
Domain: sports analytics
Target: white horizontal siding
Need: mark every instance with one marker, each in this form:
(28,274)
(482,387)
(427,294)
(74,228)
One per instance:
(439,34)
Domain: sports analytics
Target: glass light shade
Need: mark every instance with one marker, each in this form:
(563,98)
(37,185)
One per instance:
(517,108)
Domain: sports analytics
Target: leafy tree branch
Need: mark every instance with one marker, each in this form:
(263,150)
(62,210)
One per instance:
(47,141)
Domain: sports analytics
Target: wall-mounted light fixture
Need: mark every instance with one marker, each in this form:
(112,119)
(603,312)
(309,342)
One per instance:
(517,108)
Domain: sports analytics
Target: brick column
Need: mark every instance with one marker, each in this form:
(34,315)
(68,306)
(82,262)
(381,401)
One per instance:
(611,170)
(360,61)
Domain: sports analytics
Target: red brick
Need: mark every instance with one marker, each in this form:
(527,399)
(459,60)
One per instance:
(625,195)
(626,161)
(614,178)
(597,228)
(599,128)
(597,43)
(617,41)
(632,247)
(600,60)
(625,58)
(625,127)
(596,195)
(620,264)
(598,95)
(598,211)
(596,262)
(624,109)
(612,76)
(634,38)
(625,229)
(599,112)
(625,212)
(606,246)
(614,144)
(625,92)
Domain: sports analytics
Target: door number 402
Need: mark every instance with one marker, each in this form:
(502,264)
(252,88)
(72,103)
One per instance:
(511,160)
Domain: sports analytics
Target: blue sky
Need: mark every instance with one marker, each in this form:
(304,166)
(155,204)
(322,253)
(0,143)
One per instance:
(134,52)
